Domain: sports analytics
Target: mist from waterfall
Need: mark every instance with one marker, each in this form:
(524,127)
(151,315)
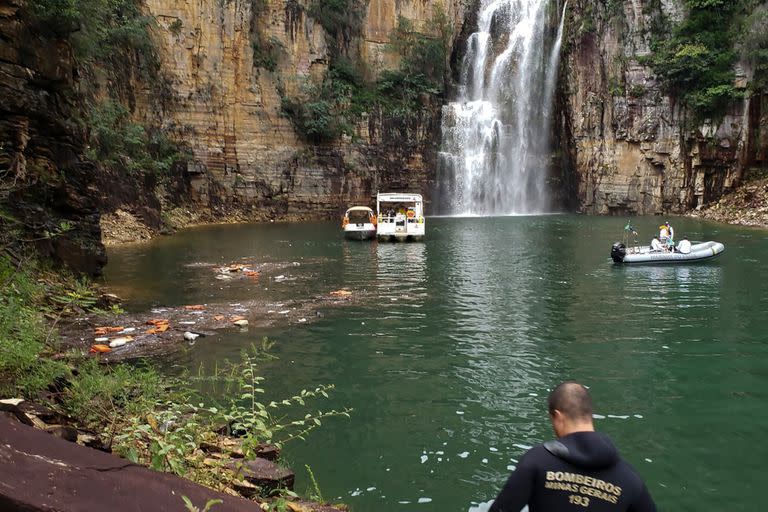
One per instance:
(496,135)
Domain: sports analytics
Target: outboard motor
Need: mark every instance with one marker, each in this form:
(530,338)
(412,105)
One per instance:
(618,251)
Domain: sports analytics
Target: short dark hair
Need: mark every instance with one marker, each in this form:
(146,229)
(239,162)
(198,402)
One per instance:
(572,399)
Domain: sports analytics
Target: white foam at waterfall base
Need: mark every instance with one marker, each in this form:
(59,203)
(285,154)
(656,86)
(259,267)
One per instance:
(495,135)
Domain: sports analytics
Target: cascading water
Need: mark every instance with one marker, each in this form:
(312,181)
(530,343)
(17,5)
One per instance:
(495,149)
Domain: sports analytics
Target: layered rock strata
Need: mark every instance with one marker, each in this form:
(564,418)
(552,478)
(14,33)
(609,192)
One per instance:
(247,155)
(631,149)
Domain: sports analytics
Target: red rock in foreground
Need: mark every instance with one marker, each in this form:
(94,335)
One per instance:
(40,472)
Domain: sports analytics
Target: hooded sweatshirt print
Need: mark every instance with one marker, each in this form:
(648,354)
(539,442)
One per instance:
(578,472)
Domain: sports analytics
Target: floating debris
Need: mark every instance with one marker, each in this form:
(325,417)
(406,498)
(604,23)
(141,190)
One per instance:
(119,342)
(100,331)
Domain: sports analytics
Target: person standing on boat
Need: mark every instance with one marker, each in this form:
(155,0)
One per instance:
(670,230)
(581,470)
(663,234)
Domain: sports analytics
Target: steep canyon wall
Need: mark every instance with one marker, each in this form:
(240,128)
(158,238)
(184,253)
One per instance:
(630,146)
(247,155)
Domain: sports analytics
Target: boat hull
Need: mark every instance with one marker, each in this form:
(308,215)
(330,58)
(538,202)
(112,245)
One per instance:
(360,234)
(644,256)
(399,237)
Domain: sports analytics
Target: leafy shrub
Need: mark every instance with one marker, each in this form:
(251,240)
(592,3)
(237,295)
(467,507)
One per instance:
(754,45)
(100,30)
(341,19)
(328,109)
(696,62)
(118,142)
(176,26)
(266,55)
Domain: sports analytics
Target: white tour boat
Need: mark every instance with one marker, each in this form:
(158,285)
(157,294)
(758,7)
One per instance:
(359,223)
(401,217)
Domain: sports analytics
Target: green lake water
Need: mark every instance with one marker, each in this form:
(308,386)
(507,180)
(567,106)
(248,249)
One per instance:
(449,353)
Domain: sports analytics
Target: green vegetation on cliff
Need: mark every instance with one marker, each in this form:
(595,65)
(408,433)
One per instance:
(120,143)
(331,107)
(696,62)
(100,30)
(116,61)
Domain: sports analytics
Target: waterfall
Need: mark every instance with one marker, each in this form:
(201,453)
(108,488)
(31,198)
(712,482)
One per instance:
(495,136)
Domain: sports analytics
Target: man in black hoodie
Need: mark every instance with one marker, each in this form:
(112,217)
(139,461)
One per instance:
(580,471)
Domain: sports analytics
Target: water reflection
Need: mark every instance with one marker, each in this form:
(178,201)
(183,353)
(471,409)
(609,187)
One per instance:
(449,348)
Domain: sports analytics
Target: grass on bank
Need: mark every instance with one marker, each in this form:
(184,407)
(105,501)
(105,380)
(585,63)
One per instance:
(162,423)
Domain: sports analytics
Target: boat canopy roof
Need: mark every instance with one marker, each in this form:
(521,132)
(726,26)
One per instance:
(396,197)
(359,209)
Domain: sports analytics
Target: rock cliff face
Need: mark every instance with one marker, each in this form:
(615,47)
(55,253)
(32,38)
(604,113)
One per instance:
(46,192)
(228,65)
(627,142)
(247,155)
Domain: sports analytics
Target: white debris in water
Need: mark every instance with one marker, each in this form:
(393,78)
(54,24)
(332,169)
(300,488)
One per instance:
(404,502)
(493,449)
(481,507)
(425,500)
(618,417)
(598,416)
(511,467)
(190,336)
(439,459)
(484,461)
(639,416)
(440,452)
(664,346)
(362,323)
(533,394)
(522,446)
(513,460)
(388,469)
(356,492)
(463,455)
(648,460)
(424,459)
(459,412)
(369,489)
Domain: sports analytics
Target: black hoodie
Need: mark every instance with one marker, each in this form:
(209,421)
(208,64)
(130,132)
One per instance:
(578,472)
